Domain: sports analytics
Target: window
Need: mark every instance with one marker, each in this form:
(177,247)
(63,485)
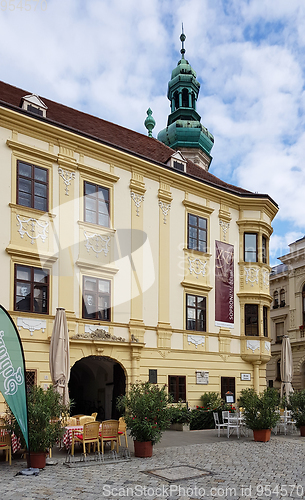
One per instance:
(275,299)
(279,332)
(265,321)
(32,186)
(282,298)
(195,313)
(177,388)
(303,305)
(30,379)
(96,298)
(264,250)
(31,289)
(96,204)
(278,370)
(152,376)
(227,385)
(250,247)
(197,233)
(251,319)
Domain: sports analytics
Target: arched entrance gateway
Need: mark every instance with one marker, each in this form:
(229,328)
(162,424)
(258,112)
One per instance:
(95,383)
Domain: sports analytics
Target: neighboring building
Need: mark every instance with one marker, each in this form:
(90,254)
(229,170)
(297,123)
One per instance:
(162,268)
(287,288)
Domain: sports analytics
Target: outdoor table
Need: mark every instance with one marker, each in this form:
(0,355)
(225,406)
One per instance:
(15,441)
(67,437)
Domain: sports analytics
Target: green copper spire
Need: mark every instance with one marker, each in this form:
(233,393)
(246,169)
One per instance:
(184,130)
(149,122)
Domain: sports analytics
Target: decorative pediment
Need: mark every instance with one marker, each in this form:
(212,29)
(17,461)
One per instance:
(34,104)
(177,162)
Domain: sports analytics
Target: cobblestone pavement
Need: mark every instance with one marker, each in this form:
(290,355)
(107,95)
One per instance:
(213,468)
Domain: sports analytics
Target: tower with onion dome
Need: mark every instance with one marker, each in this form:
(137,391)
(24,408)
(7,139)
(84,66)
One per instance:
(184,132)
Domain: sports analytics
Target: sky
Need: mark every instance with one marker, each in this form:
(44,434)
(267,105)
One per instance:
(113,59)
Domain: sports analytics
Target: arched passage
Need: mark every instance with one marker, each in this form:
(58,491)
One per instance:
(95,383)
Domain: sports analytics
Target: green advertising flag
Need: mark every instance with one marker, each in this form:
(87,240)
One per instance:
(12,371)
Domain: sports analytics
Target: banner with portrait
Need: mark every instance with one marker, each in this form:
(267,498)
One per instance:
(224,285)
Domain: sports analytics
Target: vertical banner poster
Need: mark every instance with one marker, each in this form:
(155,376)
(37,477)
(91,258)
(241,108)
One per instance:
(224,285)
(12,371)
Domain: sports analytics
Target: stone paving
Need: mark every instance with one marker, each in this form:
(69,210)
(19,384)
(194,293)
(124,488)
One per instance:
(213,468)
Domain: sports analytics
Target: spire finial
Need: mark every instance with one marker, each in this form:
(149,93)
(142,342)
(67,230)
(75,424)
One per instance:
(149,122)
(182,38)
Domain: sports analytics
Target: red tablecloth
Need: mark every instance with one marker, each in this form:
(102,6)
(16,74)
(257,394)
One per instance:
(67,437)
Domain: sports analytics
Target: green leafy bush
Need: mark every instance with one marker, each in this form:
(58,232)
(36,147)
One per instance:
(180,414)
(297,406)
(45,409)
(202,416)
(147,411)
(260,410)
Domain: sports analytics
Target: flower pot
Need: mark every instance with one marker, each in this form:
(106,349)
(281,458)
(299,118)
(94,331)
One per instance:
(262,435)
(38,460)
(302,430)
(176,427)
(143,449)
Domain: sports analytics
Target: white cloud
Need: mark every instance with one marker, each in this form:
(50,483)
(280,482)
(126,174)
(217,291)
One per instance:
(114,59)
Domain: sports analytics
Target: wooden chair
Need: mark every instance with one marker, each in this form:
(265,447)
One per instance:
(122,431)
(5,445)
(71,421)
(90,435)
(109,432)
(85,419)
(94,415)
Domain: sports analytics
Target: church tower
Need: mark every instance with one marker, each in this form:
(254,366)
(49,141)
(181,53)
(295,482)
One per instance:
(184,132)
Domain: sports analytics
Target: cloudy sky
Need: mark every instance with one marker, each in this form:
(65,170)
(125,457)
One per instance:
(113,59)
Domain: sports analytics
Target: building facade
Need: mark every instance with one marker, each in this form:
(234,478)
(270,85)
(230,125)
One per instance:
(162,268)
(287,288)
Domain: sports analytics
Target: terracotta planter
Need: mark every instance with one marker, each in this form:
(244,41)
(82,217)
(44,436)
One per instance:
(143,449)
(302,430)
(262,435)
(38,460)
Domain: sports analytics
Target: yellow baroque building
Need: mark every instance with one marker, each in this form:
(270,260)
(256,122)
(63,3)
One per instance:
(162,268)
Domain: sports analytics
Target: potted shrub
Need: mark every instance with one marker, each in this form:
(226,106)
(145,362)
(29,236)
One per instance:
(180,417)
(147,415)
(297,406)
(260,411)
(45,409)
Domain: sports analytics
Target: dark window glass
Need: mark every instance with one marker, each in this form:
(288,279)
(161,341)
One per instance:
(279,332)
(264,250)
(31,377)
(152,376)
(275,299)
(197,233)
(195,313)
(177,387)
(96,204)
(32,186)
(227,385)
(31,289)
(282,298)
(96,298)
(303,305)
(251,319)
(265,321)
(250,247)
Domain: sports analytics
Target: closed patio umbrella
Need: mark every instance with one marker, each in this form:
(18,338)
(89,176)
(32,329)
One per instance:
(286,367)
(59,356)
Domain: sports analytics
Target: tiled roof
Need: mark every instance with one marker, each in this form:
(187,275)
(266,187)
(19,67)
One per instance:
(109,133)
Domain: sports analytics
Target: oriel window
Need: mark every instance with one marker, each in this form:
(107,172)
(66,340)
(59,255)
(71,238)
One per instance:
(250,247)
(251,319)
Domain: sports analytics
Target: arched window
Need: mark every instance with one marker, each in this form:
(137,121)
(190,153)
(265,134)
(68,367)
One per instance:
(282,297)
(275,299)
(185,98)
(176,97)
(303,305)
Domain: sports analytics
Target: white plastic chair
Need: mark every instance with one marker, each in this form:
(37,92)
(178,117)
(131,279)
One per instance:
(233,424)
(218,425)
